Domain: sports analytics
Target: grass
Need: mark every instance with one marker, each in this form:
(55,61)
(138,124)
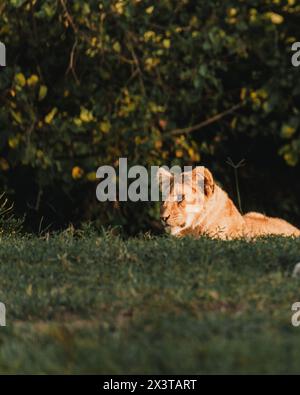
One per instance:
(99,304)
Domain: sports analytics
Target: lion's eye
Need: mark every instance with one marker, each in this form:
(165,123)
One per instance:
(180,199)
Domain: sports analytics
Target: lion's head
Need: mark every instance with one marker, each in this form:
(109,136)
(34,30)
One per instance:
(185,196)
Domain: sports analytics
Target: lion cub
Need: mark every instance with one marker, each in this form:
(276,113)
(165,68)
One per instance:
(198,206)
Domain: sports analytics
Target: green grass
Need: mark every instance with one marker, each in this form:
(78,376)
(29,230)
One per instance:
(99,304)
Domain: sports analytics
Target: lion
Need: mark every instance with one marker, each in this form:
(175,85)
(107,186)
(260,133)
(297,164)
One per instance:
(198,206)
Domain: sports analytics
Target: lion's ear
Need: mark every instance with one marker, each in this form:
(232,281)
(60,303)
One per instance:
(203,175)
(164,177)
(209,184)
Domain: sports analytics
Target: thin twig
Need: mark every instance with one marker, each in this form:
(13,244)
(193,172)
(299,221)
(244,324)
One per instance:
(71,66)
(137,64)
(68,16)
(236,178)
(207,122)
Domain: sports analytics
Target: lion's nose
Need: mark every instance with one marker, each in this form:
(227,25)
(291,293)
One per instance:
(165,218)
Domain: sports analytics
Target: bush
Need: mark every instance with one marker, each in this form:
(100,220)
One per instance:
(88,82)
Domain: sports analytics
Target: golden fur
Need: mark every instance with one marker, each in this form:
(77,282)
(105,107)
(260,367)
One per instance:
(197,211)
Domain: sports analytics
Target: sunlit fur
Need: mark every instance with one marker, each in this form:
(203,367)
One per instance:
(209,211)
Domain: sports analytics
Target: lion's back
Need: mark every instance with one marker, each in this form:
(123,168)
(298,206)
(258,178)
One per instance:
(260,224)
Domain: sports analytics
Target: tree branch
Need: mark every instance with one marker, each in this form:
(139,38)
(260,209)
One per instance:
(207,122)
